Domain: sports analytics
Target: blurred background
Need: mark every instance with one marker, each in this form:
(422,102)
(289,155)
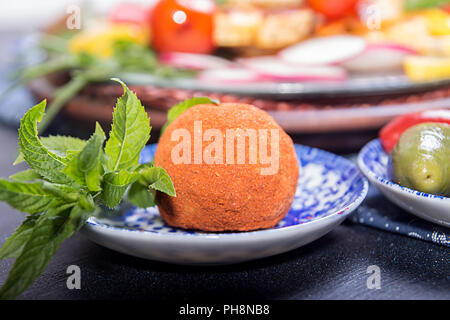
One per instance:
(330,72)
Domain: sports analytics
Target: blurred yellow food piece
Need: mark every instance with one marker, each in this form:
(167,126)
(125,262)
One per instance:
(262,30)
(282,29)
(236,28)
(414,32)
(419,68)
(99,40)
(438,22)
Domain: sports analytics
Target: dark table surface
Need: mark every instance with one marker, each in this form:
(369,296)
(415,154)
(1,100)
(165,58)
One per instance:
(333,267)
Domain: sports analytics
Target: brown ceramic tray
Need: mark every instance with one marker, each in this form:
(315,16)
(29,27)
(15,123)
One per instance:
(96,101)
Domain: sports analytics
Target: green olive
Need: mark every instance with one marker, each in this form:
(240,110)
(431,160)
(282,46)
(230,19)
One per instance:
(421,158)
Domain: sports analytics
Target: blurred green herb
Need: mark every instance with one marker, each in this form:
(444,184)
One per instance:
(221,2)
(85,68)
(68,179)
(411,5)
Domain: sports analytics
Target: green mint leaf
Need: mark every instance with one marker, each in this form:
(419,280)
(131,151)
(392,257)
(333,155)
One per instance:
(26,176)
(86,167)
(51,229)
(91,154)
(15,243)
(158,179)
(59,145)
(39,158)
(114,186)
(67,193)
(181,107)
(19,159)
(129,134)
(87,203)
(26,197)
(142,193)
(145,165)
(141,196)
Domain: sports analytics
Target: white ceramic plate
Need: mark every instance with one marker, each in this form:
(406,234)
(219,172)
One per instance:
(331,188)
(373,161)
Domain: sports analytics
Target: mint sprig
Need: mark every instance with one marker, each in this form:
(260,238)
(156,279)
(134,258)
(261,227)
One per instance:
(38,157)
(130,132)
(85,168)
(69,179)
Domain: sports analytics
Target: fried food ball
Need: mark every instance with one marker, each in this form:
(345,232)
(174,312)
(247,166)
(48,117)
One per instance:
(226,193)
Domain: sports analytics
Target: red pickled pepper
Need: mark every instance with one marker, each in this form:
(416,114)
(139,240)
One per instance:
(390,133)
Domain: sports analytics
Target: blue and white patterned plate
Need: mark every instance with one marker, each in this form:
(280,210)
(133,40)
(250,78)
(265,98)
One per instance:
(330,188)
(373,162)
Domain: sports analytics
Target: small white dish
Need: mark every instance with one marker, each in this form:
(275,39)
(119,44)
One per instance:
(373,162)
(331,188)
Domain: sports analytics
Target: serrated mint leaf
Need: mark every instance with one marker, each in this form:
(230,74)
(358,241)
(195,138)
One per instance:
(19,159)
(87,203)
(26,197)
(59,145)
(85,168)
(158,179)
(14,244)
(39,158)
(141,196)
(181,107)
(26,176)
(91,153)
(129,134)
(114,186)
(67,193)
(50,230)
(145,165)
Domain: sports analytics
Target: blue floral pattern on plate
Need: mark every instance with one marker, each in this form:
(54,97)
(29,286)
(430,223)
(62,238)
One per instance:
(329,185)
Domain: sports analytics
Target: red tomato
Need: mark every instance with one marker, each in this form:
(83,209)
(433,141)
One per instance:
(132,13)
(391,132)
(333,8)
(183,26)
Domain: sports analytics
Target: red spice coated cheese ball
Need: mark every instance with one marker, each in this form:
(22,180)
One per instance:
(226,193)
